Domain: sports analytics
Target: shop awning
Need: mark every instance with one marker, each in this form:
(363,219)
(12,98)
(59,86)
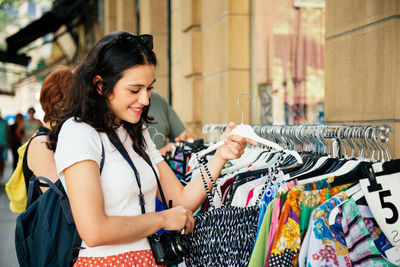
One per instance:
(63,12)
(13,58)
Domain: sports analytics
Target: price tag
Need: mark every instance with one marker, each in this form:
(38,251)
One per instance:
(383,198)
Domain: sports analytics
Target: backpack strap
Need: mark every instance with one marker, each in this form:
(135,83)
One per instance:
(25,169)
(66,208)
(36,180)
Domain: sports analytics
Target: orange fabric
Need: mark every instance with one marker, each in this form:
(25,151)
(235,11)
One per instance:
(282,217)
(139,258)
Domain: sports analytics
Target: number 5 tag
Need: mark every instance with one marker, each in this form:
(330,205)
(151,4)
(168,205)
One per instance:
(385,204)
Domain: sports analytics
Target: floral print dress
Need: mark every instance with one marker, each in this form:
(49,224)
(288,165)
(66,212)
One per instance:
(326,245)
(294,220)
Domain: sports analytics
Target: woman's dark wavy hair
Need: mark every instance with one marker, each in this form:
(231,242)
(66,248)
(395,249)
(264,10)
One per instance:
(109,57)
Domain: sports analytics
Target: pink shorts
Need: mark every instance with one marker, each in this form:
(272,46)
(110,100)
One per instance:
(134,258)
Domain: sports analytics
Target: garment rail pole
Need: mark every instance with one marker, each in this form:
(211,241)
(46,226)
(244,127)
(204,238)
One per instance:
(367,139)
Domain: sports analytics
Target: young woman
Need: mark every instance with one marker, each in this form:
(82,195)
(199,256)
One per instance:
(109,100)
(40,159)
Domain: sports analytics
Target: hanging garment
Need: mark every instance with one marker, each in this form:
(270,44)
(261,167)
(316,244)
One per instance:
(325,244)
(360,240)
(260,250)
(265,222)
(294,220)
(222,236)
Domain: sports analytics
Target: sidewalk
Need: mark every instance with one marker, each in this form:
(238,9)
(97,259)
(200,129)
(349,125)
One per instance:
(8,258)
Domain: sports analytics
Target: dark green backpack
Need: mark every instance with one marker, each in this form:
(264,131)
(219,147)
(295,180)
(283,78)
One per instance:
(45,233)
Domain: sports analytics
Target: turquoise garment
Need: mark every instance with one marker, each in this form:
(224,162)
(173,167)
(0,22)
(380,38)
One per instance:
(3,133)
(268,196)
(30,127)
(3,140)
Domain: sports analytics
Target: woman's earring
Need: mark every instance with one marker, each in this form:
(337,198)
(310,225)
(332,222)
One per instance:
(98,84)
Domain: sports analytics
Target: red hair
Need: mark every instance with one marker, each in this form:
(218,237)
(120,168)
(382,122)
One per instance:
(52,93)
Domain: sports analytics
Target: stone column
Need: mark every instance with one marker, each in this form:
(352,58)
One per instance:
(153,20)
(119,15)
(187,55)
(226,60)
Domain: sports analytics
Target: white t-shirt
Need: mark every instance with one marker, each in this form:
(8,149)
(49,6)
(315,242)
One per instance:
(78,141)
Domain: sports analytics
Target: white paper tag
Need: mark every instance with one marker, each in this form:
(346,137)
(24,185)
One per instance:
(385,204)
(393,255)
(378,167)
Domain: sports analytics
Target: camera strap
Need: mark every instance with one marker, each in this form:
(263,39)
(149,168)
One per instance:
(120,147)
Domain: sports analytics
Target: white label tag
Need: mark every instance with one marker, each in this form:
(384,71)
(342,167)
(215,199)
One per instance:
(393,255)
(378,167)
(385,204)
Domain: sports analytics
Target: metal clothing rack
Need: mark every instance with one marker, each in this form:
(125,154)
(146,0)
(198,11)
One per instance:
(337,140)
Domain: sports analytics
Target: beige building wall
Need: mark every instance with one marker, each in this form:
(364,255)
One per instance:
(187,58)
(210,54)
(210,57)
(226,60)
(362,64)
(210,61)
(119,15)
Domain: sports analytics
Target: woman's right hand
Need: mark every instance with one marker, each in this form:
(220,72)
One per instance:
(178,219)
(167,148)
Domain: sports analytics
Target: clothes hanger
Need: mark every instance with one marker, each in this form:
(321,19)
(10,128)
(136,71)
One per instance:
(359,171)
(381,168)
(290,165)
(387,165)
(346,168)
(323,165)
(248,157)
(246,131)
(157,133)
(353,192)
(265,159)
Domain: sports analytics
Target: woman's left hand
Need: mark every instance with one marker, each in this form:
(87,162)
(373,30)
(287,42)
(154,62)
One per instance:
(234,145)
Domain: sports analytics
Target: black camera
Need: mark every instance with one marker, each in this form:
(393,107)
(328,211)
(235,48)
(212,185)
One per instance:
(169,248)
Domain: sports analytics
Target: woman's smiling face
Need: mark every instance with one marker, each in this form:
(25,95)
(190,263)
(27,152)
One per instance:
(131,93)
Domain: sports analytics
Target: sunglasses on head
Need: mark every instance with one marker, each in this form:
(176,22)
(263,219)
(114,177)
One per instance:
(129,40)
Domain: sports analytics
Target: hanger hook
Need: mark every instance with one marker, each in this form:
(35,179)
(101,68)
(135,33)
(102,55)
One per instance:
(157,133)
(238,102)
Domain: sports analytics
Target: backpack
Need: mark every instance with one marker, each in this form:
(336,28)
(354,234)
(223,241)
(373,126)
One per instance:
(16,187)
(45,233)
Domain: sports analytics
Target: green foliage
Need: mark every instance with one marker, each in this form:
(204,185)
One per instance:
(5,17)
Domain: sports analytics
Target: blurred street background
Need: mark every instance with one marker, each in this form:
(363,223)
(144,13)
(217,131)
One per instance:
(8,258)
(333,62)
